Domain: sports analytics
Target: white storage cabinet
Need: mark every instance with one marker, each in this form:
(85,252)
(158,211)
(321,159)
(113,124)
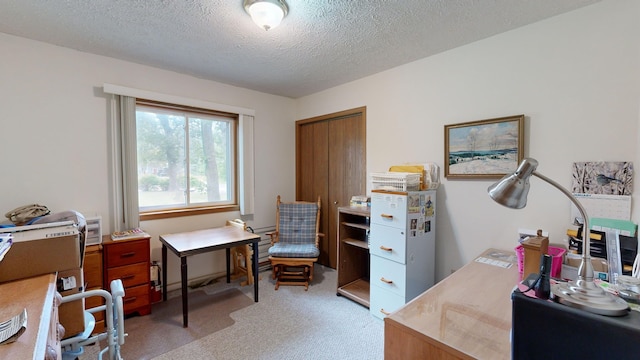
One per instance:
(402,248)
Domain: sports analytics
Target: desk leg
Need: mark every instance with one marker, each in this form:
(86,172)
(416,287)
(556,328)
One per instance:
(164,272)
(185,296)
(254,258)
(227,251)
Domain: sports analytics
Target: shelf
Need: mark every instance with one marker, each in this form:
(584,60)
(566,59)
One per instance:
(356,225)
(357,243)
(355,210)
(357,291)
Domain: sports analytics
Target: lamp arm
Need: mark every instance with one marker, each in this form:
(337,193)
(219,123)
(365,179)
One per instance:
(585,271)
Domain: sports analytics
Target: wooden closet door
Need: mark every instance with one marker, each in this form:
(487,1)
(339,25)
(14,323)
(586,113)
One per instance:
(331,163)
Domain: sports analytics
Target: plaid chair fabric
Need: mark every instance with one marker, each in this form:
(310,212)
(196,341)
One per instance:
(297,232)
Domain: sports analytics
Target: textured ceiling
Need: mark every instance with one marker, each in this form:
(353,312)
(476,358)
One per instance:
(320,44)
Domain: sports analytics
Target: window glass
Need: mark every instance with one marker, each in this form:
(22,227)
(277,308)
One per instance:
(185,159)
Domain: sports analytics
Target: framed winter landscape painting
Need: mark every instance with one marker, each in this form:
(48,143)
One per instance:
(487,149)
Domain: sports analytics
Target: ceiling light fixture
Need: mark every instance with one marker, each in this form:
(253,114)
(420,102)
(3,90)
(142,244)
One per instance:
(266,13)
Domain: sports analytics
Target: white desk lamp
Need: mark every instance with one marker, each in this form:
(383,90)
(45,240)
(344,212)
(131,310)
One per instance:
(511,191)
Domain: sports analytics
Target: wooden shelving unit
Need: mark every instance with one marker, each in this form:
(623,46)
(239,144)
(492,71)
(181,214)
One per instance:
(353,254)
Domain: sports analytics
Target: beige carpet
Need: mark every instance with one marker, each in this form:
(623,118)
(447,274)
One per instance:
(162,331)
(290,323)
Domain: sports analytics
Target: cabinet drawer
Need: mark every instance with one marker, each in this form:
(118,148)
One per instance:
(126,253)
(389,210)
(389,275)
(131,275)
(93,301)
(135,297)
(388,243)
(384,302)
(93,270)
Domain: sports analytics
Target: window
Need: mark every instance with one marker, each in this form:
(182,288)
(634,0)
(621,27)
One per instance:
(186,158)
(189,168)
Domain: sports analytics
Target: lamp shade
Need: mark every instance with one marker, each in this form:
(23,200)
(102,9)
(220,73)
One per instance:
(512,190)
(266,13)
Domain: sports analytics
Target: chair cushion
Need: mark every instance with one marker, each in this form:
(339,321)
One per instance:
(294,250)
(297,223)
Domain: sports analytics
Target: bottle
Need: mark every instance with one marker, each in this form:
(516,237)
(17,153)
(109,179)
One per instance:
(542,287)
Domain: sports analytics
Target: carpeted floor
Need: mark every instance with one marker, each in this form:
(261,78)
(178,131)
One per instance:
(286,324)
(208,313)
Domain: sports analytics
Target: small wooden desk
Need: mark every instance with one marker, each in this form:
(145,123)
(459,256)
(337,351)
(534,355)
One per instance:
(201,241)
(465,316)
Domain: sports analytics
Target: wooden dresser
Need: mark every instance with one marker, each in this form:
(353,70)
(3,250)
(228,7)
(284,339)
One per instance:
(41,339)
(465,316)
(93,278)
(129,260)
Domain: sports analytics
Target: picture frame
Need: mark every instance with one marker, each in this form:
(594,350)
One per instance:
(483,149)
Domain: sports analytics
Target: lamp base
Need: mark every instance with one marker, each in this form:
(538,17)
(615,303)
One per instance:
(588,296)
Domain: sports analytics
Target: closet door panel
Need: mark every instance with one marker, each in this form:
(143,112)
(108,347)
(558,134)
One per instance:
(311,173)
(347,168)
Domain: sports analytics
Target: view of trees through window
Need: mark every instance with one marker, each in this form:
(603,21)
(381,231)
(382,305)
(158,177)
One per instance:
(185,159)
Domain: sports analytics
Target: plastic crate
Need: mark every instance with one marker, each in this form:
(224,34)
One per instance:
(397,181)
(556,259)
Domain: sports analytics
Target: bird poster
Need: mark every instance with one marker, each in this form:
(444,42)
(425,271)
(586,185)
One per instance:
(603,177)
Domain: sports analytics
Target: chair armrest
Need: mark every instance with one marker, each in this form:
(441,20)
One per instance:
(274,236)
(318,236)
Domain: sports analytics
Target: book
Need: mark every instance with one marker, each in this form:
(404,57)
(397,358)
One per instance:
(135,233)
(11,329)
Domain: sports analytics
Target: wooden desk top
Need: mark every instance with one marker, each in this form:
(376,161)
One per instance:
(194,242)
(36,295)
(466,316)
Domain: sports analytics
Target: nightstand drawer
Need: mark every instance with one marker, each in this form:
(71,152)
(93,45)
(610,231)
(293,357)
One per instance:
(131,275)
(126,253)
(135,297)
(388,243)
(389,275)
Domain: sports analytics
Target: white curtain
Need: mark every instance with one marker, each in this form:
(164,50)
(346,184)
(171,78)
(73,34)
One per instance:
(124,163)
(246,167)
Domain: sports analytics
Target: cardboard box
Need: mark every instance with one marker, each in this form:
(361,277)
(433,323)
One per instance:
(41,256)
(600,268)
(71,314)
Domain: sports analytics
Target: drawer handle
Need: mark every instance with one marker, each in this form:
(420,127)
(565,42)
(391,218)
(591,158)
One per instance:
(386,281)
(127,277)
(129,254)
(387,216)
(131,299)
(384,248)
(385,313)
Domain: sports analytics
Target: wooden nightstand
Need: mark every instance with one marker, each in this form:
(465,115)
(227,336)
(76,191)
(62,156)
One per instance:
(129,260)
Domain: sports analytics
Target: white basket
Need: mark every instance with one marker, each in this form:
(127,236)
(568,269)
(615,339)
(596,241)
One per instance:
(397,181)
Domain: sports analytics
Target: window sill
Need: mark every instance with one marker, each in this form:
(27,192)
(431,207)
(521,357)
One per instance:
(172,213)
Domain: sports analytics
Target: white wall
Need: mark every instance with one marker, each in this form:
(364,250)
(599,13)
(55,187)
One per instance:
(576,77)
(54,146)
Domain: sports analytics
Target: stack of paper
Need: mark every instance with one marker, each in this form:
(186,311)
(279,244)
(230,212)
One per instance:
(11,329)
(5,243)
